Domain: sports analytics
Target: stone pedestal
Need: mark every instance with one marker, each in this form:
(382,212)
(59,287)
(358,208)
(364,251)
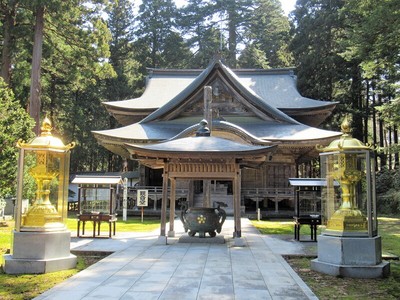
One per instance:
(350,257)
(239,242)
(39,252)
(219,239)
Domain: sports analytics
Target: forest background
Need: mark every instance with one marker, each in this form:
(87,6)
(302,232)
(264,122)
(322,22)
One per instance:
(64,58)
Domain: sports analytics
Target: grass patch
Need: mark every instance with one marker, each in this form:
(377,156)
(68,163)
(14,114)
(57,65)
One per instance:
(331,287)
(27,286)
(280,227)
(274,227)
(132,224)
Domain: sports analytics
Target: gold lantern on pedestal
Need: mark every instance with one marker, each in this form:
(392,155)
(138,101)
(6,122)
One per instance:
(348,162)
(350,245)
(41,241)
(43,175)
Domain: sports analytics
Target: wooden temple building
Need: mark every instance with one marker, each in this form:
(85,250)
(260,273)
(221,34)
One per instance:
(234,136)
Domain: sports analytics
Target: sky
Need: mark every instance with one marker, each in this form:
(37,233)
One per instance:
(288,5)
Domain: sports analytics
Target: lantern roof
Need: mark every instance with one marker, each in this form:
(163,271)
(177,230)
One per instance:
(345,142)
(46,141)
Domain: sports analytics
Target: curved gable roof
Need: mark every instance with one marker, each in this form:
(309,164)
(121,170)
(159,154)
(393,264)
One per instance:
(275,86)
(217,66)
(278,87)
(152,99)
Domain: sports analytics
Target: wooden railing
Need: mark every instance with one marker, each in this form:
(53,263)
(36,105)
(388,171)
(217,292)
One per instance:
(155,194)
(274,193)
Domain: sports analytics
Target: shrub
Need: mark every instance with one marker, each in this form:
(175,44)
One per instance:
(388,191)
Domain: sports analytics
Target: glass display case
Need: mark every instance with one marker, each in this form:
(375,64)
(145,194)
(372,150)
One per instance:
(98,199)
(41,241)
(349,195)
(97,202)
(350,245)
(43,178)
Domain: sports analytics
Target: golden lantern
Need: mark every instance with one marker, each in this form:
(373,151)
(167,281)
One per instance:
(347,163)
(350,245)
(43,176)
(41,241)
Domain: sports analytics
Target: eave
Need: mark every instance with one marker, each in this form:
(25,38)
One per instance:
(311,116)
(203,150)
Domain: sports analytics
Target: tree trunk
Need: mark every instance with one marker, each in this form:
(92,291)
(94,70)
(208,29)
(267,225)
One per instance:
(367,113)
(390,163)
(356,95)
(8,28)
(34,101)
(232,38)
(396,142)
(53,97)
(374,131)
(381,136)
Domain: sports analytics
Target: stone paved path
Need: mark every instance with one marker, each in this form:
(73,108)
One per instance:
(142,269)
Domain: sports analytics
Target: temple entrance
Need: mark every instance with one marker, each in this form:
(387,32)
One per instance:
(271,194)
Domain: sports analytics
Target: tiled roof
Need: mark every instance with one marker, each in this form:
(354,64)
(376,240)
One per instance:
(276,87)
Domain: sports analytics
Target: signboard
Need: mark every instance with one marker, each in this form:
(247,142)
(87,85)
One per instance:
(142,198)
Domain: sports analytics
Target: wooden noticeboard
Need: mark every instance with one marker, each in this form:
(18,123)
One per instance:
(142,199)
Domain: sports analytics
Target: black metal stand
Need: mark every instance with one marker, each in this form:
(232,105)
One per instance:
(313,221)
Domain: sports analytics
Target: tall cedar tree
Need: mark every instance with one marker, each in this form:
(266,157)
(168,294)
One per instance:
(376,45)
(127,82)
(202,30)
(216,27)
(120,23)
(226,27)
(323,73)
(75,49)
(268,37)
(156,21)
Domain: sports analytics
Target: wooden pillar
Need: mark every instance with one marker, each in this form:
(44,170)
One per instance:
(171,232)
(206,193)
(191,193)
(164,200)
(236,203)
